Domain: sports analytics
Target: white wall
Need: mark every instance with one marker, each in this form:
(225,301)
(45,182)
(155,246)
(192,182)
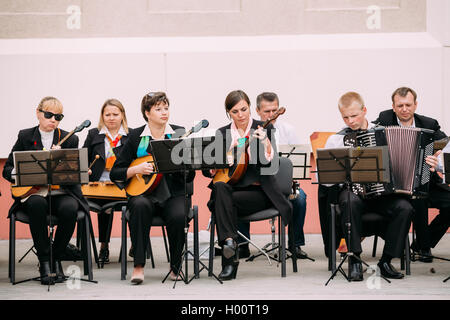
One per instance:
(309,72)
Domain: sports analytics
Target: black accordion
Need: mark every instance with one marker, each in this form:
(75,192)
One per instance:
(407,148)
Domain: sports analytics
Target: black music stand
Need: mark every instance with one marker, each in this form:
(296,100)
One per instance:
(47,168)
(300,156)
(348,166)
(184,155)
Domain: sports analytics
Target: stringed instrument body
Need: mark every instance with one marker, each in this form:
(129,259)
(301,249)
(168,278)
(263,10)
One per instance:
(233,174)
(241,158)
(140,183)
(23,192)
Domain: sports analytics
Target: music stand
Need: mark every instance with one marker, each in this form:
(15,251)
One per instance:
(348,166)
(47,168)
(184,155)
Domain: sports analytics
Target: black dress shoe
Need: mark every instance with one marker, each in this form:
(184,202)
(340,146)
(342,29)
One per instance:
(387,270)
(58,271)
(45,274)
(244,251)
(425,255)
(103,256)
(300,253)
(355,269)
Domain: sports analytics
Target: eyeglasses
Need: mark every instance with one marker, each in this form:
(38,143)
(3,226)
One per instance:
(49,115)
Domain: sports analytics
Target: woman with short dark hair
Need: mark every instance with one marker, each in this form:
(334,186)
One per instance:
(167,199)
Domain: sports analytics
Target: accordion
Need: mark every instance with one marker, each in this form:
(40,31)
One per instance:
(407,150)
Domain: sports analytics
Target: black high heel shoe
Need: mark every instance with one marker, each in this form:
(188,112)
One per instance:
(229,271)
(230,261)
(44,270)
(60,277)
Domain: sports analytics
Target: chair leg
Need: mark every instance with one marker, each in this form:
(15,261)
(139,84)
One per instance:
(375,242)
(196,249)
(212,229)
(332,251)
(12,248)
(87,235)
(165,243)
(123,250)
(407,256)
(291,244)
(150,253)
(82,225)
(282,241)
(94,245)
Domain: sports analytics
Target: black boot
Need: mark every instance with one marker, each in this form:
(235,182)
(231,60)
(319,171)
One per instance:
(230,261)
(59,273)
(44,270)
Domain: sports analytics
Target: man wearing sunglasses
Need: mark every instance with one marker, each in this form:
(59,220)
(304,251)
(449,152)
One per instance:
(65,201)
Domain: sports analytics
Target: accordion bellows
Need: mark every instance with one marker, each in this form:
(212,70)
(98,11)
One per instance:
(407,149)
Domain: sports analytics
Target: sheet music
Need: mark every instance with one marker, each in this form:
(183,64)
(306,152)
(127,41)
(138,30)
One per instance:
(300,155)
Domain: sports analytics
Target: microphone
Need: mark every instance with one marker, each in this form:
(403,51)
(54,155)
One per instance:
(202,124)
(84,124)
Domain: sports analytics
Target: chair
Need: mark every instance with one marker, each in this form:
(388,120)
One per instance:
(284,176)
(373,224)
(84,228)
(156,222)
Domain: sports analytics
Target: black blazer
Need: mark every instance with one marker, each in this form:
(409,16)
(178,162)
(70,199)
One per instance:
(30,139)
(389,118)
(128,153)
(269,183)
(95,143)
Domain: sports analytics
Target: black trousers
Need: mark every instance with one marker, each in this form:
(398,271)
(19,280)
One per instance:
(420,223)
(63,207)
(397,209)
(105,222)
(229,202)
(142,210)
(428,235)
(439,199)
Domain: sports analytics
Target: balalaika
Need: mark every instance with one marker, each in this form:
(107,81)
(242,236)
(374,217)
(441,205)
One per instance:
(407,149)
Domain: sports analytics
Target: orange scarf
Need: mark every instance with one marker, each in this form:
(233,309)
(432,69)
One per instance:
(110,156)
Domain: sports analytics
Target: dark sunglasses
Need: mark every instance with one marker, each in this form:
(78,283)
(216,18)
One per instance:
(49,115)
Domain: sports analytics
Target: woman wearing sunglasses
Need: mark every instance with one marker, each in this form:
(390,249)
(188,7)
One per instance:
(166,199)
(256,190)
(102,142)
(65,201)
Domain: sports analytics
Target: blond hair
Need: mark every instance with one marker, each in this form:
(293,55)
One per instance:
(114,103)
(348,98)
(49,102)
